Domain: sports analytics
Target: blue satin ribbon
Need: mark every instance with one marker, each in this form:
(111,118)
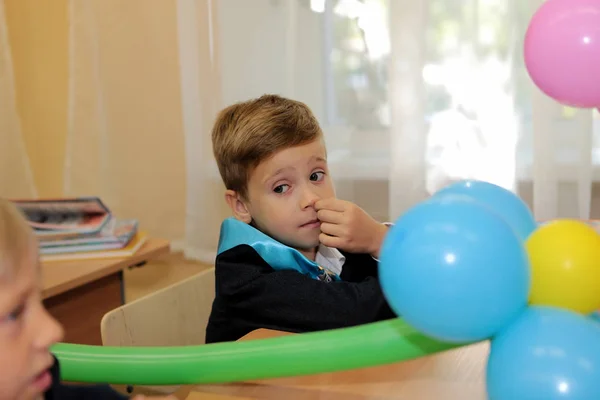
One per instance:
(279,256)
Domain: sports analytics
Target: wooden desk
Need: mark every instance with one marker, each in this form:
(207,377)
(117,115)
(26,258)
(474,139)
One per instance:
(453,375)
(79,293)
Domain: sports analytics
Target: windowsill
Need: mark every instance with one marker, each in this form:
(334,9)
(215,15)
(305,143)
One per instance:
(375,167)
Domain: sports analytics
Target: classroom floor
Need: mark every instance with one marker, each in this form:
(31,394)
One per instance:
(159,273)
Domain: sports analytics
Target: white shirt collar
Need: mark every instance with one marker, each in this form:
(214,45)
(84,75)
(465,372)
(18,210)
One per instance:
(330,258)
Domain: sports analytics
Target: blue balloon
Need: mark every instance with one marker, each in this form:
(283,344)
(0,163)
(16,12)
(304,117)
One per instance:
(595,316)
(454,270)
(504,202)
(547,353)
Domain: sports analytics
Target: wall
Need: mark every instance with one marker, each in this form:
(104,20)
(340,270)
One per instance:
(38,34)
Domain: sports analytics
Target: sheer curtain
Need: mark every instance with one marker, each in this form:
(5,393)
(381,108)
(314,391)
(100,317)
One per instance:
(16,180)
(143,89)
(413,95)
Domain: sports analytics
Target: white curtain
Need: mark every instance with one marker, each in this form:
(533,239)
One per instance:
(16,179)
(411,95)
(143,90)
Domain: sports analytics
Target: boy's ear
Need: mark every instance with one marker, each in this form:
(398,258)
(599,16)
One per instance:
(238,206)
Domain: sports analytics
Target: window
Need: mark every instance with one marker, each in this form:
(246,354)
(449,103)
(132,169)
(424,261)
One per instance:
(477,89)
(335,56)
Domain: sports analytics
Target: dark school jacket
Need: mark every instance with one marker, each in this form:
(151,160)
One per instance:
(261,283)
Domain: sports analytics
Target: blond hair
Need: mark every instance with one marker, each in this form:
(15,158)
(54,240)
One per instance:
(249,132)
(16,238)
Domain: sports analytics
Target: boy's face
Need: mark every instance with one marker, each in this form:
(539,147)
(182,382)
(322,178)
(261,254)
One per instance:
(26,333)
(282,191)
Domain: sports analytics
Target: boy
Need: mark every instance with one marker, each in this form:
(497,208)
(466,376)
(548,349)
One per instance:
(27,368)
(293,258)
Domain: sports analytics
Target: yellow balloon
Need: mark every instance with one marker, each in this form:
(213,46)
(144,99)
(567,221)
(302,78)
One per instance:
(565,266)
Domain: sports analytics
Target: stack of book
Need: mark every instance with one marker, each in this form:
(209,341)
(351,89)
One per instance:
(80,228)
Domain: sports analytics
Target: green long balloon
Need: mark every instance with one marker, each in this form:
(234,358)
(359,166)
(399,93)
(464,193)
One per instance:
(294,355)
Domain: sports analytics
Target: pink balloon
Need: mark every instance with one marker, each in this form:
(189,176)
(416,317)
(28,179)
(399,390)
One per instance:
(562,51)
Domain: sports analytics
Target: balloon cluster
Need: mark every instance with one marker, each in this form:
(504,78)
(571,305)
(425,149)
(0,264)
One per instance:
(471,264)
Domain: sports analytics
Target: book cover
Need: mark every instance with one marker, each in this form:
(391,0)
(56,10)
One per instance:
(60,218)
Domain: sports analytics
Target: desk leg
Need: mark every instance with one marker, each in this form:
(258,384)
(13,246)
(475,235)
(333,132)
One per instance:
(80,310)
(138,265)
(122,279)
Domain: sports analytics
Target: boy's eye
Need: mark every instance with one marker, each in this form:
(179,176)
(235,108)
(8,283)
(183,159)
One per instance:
(281,189)
(317,176)
(14,315)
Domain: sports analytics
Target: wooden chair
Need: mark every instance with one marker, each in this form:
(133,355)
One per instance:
(173,316)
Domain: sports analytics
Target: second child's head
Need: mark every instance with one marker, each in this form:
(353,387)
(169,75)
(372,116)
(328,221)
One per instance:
(272,158)
(27,331)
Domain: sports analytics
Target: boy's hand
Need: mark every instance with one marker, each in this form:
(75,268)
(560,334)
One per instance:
(346,226)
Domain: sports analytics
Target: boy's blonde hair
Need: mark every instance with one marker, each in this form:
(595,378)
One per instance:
(16,239)
(249,132)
